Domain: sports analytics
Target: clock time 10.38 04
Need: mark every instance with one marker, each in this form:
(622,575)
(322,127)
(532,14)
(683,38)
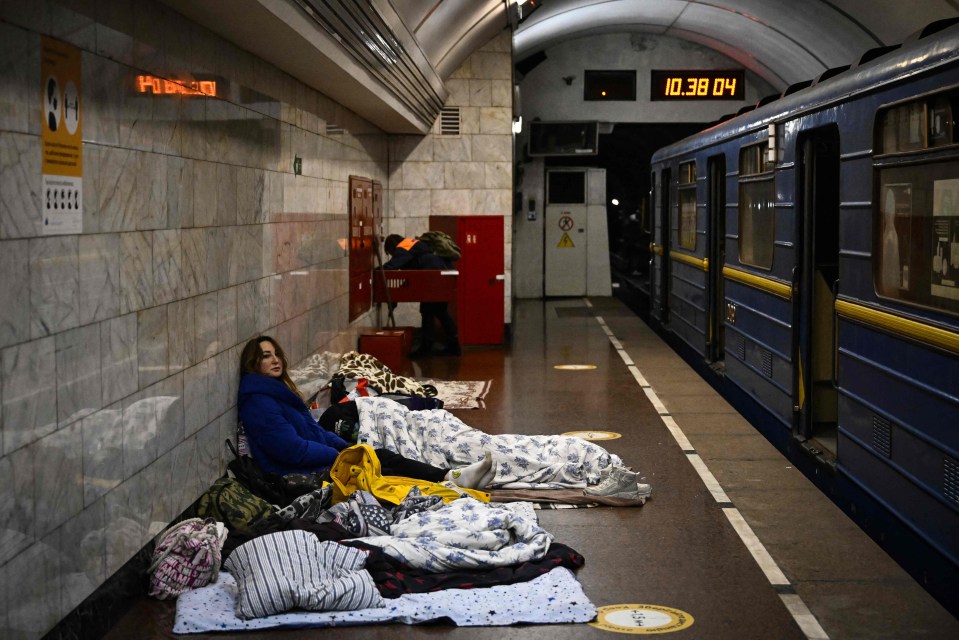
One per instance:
(698,84)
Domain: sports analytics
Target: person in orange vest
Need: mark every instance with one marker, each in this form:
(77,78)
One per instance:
(410,253)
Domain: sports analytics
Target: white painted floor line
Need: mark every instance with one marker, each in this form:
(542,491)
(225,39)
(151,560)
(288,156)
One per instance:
(804,617)
(756,548)
(678,434)
(638,375)
(794,604)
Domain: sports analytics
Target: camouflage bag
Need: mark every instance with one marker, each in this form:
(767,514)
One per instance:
(442,245)
(230,502)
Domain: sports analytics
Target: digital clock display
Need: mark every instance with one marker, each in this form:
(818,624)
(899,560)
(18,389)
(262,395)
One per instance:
(697,84)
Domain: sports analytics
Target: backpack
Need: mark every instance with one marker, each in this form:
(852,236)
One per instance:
(442,245)
(187,556)
(230,502)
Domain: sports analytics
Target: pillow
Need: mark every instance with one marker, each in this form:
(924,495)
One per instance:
(294,570)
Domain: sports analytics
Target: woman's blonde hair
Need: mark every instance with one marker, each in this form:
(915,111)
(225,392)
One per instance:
(252,355)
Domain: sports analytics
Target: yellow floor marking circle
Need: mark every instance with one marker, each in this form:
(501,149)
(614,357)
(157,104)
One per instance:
(641,619)
(574,367)
(593,435)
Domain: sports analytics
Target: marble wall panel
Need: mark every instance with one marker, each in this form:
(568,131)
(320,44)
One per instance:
(54,284)
(449,202)
(150,191)
(99,258)
(205,325)
(226,306)
(204,193)
(17,505)
(226,189)
(19,70)
(59,488)
(196,394)
(459,89)
(169,406)
(245,311)
(153,344)
(29,392)
(127,509)
(116,190)
(452,149)
(499,175)
(501,94)
(19,185)
(181,331)
(167,266)
(492,148)
(102,434)
(82,555)
(15,291)
(491,201)
(469,121)
(193,273)
(495,120)
(139,429)
(78,356)
(481,93)
(33,600)
(494,65)
(179,196)
(464,175)
(119,365)
(136,271)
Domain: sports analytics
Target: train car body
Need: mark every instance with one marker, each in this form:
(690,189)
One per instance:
(807,251)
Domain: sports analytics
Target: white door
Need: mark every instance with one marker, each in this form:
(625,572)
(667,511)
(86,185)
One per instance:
(566,231)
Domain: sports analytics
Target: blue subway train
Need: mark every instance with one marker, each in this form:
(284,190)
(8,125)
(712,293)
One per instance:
(805,253)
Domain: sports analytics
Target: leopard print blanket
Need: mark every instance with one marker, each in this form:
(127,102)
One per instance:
(363,365)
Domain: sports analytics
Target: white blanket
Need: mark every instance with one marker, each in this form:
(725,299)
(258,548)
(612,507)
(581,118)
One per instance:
(556,597)
(439,438)
(464,534)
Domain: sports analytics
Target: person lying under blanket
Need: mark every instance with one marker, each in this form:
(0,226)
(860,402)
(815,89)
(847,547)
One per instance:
(431,445)
(284,438)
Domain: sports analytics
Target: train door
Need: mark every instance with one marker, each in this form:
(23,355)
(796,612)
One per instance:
(716,186)
(662,239)
(817,396)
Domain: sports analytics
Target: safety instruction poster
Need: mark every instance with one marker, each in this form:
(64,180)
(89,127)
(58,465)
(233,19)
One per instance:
(61,190)
(945,254)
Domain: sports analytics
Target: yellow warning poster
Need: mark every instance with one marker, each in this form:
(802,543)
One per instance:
(565,242)
(61,138)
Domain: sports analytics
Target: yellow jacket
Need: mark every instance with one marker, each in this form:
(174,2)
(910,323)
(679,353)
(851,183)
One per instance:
(358,469)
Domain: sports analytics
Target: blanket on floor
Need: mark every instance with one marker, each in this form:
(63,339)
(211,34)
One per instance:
(556,597)
(461,394)
(439,438)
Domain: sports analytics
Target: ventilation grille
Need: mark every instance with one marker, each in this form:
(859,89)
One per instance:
(738,347)
(767,362)
(882,436)
(450,121)
(334,129)
(950,479)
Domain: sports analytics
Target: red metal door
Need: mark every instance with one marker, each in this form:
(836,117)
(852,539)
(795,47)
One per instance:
(479,304)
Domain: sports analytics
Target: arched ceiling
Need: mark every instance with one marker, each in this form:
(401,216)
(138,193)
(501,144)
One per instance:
(782,41)
(387,60)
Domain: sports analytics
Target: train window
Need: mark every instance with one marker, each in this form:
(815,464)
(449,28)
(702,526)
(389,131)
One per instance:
(687,205)
(916,207)
(757,204)
(916,237)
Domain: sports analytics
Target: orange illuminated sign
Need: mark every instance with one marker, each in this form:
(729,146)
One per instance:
(703,84)
(164,87)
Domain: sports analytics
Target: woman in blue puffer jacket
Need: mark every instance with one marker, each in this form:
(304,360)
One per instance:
(284,438)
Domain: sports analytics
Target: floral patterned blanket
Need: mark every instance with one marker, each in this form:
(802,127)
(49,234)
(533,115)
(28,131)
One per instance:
(439,438)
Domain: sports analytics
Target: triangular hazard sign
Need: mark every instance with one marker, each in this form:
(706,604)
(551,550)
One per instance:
(565,242)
